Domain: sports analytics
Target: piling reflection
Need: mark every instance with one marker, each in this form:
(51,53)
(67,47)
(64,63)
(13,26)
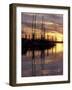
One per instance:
(43,62)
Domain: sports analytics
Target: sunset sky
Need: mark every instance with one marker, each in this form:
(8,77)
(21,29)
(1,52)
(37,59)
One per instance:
(53,24)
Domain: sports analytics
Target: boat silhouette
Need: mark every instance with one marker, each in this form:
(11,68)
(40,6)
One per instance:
(36,43)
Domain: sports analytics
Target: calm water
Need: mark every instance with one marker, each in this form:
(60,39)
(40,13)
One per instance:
(44,62)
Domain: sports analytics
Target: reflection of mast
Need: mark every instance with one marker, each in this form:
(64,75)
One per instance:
(47,52)
(33,64)
(42,60)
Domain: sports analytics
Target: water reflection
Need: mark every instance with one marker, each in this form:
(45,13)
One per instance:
(43,62)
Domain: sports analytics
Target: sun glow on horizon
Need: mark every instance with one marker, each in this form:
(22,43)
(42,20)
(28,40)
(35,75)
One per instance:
(58,36)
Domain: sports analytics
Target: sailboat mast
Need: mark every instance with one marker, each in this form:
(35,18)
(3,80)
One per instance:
(55,33)
(33,26)
(43,28)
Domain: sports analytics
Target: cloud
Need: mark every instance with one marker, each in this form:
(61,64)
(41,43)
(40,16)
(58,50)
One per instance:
(49,20)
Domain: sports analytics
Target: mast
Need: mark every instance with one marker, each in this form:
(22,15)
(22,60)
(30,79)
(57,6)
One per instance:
(42,28)
(33,52)
(55,33)
(33,26)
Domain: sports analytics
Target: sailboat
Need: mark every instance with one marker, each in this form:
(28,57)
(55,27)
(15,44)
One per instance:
(36,44)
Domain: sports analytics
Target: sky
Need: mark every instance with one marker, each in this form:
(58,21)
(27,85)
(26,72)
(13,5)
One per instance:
(56,18)
(52,22)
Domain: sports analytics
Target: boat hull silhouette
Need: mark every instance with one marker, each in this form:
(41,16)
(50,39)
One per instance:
(38,44)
